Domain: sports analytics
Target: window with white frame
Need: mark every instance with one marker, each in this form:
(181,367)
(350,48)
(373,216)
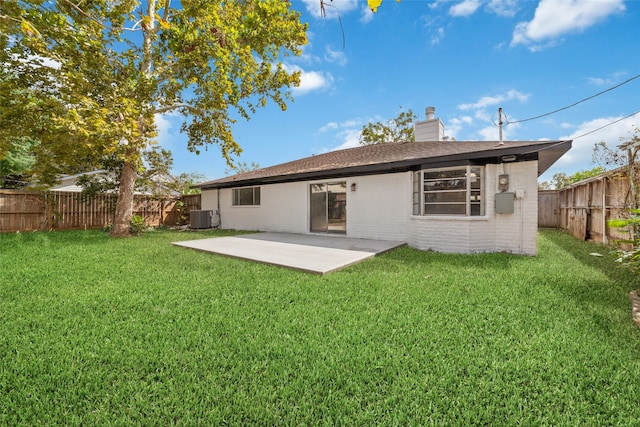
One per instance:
(248,196)
(449,191)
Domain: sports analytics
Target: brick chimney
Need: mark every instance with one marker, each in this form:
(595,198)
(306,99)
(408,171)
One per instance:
(431,129)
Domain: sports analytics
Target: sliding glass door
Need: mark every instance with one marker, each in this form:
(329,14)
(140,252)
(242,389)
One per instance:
(329,207)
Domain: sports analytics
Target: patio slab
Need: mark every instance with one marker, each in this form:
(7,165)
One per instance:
(312,253)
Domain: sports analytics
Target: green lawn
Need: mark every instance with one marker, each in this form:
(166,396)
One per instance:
(102,331)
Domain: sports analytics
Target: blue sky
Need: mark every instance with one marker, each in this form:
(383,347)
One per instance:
(465,58)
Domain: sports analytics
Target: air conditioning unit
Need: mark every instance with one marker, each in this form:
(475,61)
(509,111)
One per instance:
(200,219)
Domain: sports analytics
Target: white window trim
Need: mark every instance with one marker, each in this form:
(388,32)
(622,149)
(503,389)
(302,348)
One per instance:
(253,205)
(467,215)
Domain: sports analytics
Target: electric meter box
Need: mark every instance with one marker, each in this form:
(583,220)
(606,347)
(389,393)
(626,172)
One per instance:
(505,203)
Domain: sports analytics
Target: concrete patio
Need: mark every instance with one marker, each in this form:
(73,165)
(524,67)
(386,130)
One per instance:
(312,253)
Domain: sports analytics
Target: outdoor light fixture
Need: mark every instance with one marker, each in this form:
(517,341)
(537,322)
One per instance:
(510,158)
(353,186)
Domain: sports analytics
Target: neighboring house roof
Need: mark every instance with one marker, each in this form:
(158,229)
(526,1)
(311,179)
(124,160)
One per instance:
(68,183)
(397,157)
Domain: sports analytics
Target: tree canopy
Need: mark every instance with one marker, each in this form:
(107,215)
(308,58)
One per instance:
(397,129)
(561,179)
(92,76)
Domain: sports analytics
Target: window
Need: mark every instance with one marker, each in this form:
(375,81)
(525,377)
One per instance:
(450,191)
(249,196)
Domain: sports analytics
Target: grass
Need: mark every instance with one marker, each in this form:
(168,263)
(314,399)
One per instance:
(102,331)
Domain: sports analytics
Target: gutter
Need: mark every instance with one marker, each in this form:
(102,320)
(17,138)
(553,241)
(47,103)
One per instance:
(483,157)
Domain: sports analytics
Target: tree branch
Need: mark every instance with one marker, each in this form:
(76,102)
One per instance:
(178,106)
(86,15)
(167,7)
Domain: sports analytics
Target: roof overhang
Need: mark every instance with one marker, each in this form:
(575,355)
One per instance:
(545,153)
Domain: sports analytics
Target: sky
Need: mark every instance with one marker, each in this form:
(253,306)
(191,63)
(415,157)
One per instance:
(465,58)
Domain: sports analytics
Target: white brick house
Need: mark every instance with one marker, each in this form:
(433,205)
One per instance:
(447,196)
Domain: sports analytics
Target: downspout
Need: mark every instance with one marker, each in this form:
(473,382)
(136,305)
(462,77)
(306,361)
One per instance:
(521,226)
(219,224)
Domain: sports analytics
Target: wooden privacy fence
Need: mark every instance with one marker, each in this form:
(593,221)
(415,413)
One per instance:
(31,211)
(585,208)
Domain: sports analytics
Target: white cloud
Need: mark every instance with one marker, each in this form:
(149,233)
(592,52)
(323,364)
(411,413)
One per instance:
(346,124)
(332,9)
(453,127)
(313,80)
(310,80)
(350,138)
(329,126)
(597,81)
(480,122)
(507,8)
(438,36)
(580,157)
(366,15)
(163,124)
(608,81)
(465,8)
(307,56)
(554,18)
(485,116)
(39,61)
(492,132)
(168,127)
(487,101)
(336,56)
(346,133)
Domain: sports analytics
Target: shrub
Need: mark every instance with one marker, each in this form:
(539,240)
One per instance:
(629,257)
(137,225)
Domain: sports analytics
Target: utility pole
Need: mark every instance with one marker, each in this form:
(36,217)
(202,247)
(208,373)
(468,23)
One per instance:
(500,124)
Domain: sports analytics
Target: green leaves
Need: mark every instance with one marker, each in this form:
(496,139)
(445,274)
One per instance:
(29,29)
(628,250)
(118,64)
(398,129)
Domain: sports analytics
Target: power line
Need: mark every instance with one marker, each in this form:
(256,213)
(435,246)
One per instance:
(608,124)
(576,103)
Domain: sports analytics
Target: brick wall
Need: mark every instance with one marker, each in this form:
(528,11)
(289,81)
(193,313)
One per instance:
(516,232)
(283,207)
(380,208)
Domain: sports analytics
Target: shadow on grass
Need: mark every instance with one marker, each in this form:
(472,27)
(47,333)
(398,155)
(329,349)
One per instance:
(564,275)
(602,291)
(583,252)
(102,237)
(52,238)
(408,258)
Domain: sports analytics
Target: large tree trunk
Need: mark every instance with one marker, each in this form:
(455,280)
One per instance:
(124,207)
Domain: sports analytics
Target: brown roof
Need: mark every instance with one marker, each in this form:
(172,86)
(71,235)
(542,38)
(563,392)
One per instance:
(396,157)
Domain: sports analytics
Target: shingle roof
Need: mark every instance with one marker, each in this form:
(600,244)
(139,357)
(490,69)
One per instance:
(394,157)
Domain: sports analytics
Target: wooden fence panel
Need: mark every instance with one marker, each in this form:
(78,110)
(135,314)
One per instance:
(548,209)
(30,211)
(618,200)
(21,211)
(597,212)
(578,223)
(585,208)
(72,211)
